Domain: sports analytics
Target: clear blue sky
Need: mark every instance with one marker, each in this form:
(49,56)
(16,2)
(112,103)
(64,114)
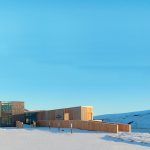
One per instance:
(88,52)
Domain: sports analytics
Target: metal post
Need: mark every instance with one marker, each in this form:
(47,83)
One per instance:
(59,126)
(71,127)
(49,124)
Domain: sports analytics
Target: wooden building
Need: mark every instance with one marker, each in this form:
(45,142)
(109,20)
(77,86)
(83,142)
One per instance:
(10,112)
(84,113)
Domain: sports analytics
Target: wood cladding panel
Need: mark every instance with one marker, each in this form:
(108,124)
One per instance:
(83,125)
(70,111)
(124,127)
(74,113)
(52,115)
(66,116)
(17,108)
(86,113)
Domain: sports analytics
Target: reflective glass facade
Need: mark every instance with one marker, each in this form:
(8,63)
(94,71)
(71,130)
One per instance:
(9,113)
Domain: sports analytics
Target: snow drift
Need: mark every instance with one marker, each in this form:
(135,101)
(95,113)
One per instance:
(138,120)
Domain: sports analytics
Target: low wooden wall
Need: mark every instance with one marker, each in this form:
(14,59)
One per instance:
(83,125)
(124,127)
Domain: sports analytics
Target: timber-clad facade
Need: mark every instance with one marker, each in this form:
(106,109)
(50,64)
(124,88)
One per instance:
(10,112)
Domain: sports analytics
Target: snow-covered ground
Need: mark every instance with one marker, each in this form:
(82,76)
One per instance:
(140,121)
(46,139)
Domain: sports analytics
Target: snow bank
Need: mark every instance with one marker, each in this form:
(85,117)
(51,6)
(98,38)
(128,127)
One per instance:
(46,139)
(138,120)
(134,138)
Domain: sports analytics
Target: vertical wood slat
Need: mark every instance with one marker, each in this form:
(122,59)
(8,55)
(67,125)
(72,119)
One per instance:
(83,125)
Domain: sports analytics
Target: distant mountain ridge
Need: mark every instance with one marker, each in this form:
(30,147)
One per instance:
(138,120)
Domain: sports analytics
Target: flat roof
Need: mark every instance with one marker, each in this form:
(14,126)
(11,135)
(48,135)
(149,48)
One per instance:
(57,109)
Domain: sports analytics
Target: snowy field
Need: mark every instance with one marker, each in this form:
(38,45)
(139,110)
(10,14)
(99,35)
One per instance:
(52,139)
